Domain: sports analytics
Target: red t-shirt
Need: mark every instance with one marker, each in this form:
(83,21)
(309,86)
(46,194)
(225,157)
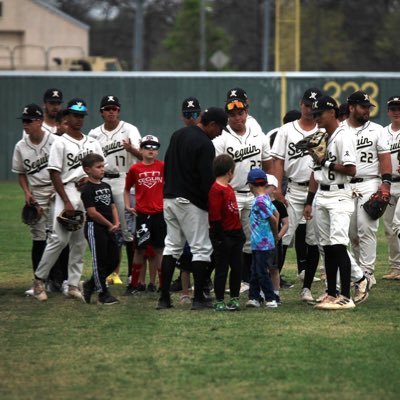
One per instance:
(149,185)
(222,206)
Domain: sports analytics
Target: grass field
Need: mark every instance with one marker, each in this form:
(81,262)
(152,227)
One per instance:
(63,349)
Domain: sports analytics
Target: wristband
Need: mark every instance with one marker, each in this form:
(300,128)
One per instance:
(310,198)
(326,163)
(387,178)
(332,166)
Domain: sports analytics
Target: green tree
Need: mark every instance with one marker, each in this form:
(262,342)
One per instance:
(180,50)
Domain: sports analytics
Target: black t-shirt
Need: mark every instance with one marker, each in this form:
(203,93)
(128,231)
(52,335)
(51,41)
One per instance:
(99,196)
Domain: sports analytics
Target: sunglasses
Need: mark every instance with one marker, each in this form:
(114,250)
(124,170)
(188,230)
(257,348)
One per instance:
(235,104)
(28,121)
(110,108)
(191,114)
(150,147)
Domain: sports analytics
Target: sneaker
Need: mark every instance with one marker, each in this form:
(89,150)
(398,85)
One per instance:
(201,304)
(107,300)
(64,288)
(253,303)
(244,287)
(141,287)
(285,284)
(345,303)
(164,304)
(278,300)
(75,293)
(393,274)
(87,292)
(271,304)
(39,291)
(29,292)
(185,299)
(114,279)
(305,295)
(151,287)
(361,290)
(129,291)
(329,303)
(220,306)
(233,304)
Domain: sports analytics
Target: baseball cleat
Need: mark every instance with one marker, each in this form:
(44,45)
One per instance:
(329,303)
(344,303)
(392,275)
(75,293)
(39,291)
(361,290)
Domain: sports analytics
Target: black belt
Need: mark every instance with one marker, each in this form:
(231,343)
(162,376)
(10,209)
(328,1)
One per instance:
(356,180)
(306,183)
(243,191)
(327,188)
(395,178)
(111,176)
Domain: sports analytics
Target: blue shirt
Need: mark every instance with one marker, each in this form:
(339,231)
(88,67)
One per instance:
(262,237)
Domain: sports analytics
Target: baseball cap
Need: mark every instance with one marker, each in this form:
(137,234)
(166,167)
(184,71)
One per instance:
(149,140)
(359,97)
(324,103)
(393,100)
(343,109)
(272,180)
(31,111)
(292,115)
(191,104)
(76,106)
(53,96)
(217,115)
(310,95)
(257,175)
(236,93)
(109,100)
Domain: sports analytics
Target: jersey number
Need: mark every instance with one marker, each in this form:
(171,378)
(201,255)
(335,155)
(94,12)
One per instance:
(366,157)
(120,161)
(255,164)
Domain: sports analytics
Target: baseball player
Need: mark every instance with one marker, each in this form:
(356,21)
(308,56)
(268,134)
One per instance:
(391,218)
(120,142)
(247,144)
(295,165)
(329,184)
(374,171)
(30,159)
(67,175)
(191,111)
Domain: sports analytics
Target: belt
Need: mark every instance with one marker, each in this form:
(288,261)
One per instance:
(306,183)
(111,176)
(356,180)
(243,191)
(395,178)
(327,188)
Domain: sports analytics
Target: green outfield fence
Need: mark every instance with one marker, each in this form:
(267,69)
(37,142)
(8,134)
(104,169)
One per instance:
(152,100)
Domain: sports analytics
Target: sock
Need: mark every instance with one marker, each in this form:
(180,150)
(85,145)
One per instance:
(344,265)
(38,247)
(136,268)
(312,264)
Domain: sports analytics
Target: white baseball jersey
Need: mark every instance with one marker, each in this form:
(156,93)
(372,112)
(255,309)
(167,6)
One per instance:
(341,149)
(248,151)
(296,163)
(118,159)
(66,155)
(371,139)
(32,159)
(394,147)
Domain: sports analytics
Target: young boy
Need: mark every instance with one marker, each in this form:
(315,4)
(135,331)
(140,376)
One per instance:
(148,178)
(283,225)
(102,222)
(264,229)
(226,233)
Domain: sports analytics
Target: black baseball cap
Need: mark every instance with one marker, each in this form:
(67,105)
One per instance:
(217,115)
(31,111)
(324,103)
(76,106)
(310,95)
(292,115)
(191,104)
(53,96)
(360,98)
(236,93)
(393,101)
(109,100)
(343,109)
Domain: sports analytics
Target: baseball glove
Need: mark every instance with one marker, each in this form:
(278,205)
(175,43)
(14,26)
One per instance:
(71,220)
(377,203)
(31,213)
(315,146)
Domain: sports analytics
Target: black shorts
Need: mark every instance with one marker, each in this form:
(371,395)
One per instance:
(150,230)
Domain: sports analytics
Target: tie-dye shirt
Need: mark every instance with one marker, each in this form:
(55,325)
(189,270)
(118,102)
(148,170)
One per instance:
(262,237)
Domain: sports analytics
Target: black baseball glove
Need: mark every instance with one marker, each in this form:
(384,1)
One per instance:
(71,220)
(315,146)
(31,213)
(377,203)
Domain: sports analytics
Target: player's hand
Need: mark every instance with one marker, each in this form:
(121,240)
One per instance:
(384,188)
(307,212)
(127,144)
(29,198)
(280,197)
(69,208)
(113,228)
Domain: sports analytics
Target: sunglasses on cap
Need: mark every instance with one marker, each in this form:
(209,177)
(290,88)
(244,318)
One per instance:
(110,108)
(235,104)
(191,114)
(150,147)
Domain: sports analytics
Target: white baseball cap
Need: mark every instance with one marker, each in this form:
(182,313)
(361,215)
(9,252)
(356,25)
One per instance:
(271,179)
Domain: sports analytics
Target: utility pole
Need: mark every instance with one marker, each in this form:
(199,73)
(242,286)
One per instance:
(138,40)
(202,63)
(267,19)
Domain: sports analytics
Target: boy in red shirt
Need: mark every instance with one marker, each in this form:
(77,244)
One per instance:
(148,178)
(226,233)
